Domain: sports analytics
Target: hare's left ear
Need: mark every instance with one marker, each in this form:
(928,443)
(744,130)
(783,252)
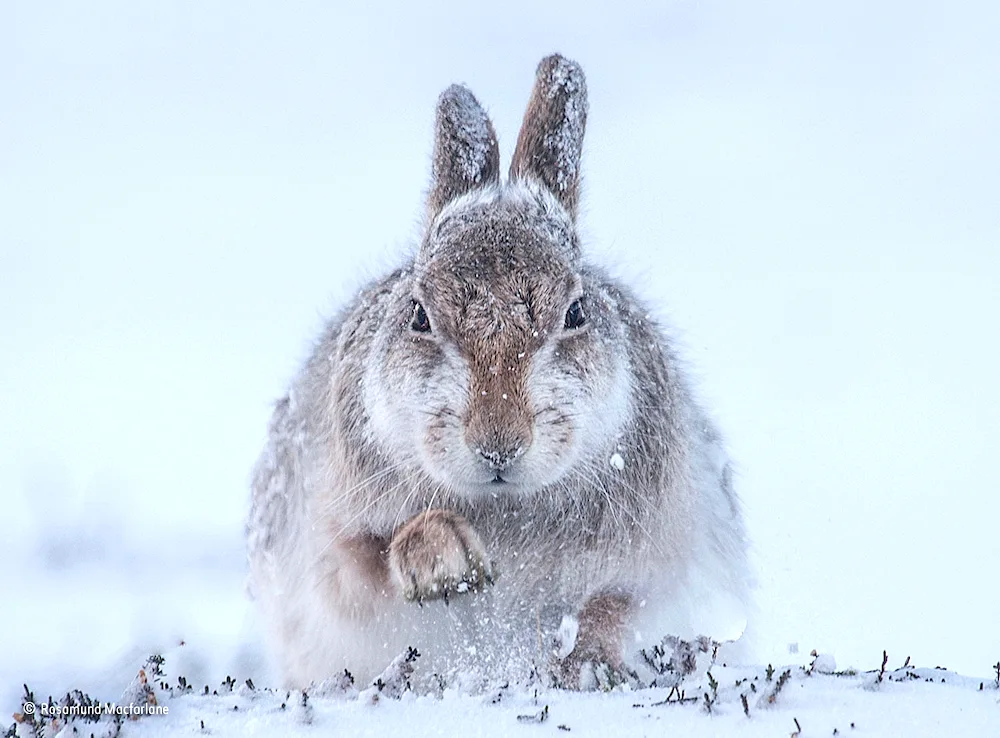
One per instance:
(551,139)
(466,155)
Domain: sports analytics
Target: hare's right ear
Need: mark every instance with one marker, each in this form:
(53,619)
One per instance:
(466,155)
(551,140)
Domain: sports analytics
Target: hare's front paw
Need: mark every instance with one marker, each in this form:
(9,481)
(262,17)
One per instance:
(437,554)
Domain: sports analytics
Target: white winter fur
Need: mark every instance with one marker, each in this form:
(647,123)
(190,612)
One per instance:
(379,425)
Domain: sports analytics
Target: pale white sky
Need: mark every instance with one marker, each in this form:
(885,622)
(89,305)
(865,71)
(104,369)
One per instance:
(809,194)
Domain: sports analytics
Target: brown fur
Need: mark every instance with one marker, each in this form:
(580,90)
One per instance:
(525,306)
(543,150)
(368,556)
(435,554)
(454,172)
(602,626)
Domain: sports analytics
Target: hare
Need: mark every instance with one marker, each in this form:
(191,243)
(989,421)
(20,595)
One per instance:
(493,455)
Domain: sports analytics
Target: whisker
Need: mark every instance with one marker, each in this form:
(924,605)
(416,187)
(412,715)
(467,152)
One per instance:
(622,507)
(375,476)
(406,501)
(376,499)
(443,412)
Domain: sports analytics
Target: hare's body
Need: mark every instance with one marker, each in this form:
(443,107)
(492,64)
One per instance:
(499,432)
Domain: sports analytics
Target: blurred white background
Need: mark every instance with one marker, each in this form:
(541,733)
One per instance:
(187,189)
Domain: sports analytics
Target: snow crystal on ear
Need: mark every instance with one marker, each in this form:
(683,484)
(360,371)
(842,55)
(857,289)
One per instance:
(469,141)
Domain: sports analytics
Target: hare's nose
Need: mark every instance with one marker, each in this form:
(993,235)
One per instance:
(499,457)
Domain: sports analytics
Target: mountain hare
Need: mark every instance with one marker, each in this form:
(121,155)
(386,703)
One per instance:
(493,455)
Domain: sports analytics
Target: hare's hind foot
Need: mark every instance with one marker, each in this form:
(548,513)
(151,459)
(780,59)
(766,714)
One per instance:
(589,646)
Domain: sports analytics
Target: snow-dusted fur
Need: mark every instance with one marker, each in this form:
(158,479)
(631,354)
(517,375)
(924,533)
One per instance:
(491,438)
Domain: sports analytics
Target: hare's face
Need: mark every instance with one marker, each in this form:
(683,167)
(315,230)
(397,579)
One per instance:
(506,369)
(500,362)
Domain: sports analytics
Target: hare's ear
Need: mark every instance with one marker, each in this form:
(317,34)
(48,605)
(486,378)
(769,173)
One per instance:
(551,139)
(466,155)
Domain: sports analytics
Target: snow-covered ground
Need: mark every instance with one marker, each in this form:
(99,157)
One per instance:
(808,194)
(798,700)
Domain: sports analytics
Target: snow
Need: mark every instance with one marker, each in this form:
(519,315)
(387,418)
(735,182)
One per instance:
(569,629)
(185,196)
(726,700)
(823,663)
(617,462)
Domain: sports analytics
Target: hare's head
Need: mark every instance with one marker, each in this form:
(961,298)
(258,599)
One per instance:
(502,360)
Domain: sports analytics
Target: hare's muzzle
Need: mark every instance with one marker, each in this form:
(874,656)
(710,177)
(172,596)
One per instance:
(499,456)
(498,437)
(498,419)
(498,451)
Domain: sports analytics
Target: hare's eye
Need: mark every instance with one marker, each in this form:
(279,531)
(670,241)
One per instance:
(575,316)
(420,322)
